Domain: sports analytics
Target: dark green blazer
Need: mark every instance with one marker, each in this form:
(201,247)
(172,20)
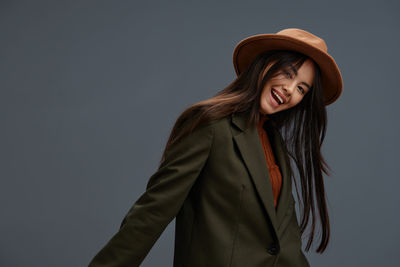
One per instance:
(215,182)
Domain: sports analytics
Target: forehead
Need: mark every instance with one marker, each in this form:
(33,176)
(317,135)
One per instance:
(305,73)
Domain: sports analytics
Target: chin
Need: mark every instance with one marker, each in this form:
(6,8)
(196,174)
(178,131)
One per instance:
(266,109)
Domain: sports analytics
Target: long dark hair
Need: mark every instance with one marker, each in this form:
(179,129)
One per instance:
(302,128)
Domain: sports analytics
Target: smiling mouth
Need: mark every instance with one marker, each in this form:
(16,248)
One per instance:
(277,97)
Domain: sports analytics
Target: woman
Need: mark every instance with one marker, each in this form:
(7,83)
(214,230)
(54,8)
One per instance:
(226,173)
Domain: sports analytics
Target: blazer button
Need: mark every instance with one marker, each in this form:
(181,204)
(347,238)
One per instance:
(273,250)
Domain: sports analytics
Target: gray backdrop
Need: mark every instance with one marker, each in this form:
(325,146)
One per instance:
(90,90)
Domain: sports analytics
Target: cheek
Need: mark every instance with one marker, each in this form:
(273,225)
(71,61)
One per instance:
(264,93)
(296,100)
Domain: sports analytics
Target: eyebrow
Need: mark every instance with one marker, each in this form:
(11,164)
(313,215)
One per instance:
(306,84)
(295,71)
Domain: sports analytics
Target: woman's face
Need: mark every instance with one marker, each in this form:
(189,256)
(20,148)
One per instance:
(286,87)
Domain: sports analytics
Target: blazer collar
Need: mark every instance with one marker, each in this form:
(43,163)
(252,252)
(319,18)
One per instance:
(250,147)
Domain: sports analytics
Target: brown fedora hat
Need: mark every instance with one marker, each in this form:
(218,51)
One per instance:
(296,40)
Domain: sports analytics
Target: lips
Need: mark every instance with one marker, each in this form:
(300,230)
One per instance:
(282,97)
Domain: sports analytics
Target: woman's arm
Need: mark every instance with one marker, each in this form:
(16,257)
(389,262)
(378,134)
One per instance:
(165,193)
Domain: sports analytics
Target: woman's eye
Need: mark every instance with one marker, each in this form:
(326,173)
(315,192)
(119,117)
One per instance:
(301,89)
(288,74)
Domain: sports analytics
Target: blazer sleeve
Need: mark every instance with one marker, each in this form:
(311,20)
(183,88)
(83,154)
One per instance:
(165,193)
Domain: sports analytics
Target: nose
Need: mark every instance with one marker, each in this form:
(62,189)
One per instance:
(289,88)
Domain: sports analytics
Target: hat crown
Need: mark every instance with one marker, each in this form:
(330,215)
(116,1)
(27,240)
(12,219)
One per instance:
(306,37)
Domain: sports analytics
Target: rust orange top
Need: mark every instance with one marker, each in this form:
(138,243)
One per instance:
(273,169)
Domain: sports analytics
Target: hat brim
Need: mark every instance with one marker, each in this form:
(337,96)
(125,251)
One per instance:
(249,48)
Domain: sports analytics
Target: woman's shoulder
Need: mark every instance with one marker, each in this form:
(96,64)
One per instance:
(196,122)
(208,122)
(220,124)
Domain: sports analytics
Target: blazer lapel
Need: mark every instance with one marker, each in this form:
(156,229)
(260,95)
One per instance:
(284,207)
(251,150)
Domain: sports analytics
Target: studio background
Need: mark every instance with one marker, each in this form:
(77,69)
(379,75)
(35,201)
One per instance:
(90,91)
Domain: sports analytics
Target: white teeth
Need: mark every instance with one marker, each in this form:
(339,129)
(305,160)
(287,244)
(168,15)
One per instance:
(280,99)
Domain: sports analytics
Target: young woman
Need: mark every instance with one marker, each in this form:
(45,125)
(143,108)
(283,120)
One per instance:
(226,171)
